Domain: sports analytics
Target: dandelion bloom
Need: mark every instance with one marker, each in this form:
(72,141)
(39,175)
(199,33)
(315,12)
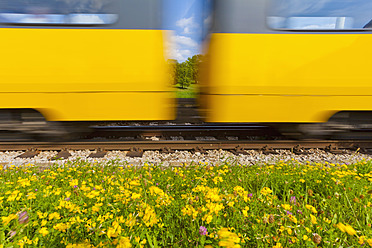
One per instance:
(341,227)
(287,206)
(313,219)
(228,239)
(44,231)
(350,230)
(312,209)
(266,191)
(369,241)
(278,245)
(124,243)
(361,240)
(8,219)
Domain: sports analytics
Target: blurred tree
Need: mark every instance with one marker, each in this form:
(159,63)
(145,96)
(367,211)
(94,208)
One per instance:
(194,65)
(184,75)
(172,63)
(187,72)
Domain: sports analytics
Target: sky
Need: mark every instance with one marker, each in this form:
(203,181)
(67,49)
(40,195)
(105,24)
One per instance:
(185,18)
(189,19)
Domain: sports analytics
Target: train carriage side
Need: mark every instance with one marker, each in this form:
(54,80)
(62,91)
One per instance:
(84,60)
(288,61)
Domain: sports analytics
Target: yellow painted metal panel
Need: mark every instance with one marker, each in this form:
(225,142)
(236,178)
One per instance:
(286,77)
(109,106)
(295,64)
(86,74)
(268,108)
(82,60)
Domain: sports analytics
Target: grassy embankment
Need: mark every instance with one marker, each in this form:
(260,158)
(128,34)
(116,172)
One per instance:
(189,92)
(284,205)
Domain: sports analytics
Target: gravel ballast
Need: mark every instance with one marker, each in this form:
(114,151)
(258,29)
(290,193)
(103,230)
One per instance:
(179,158)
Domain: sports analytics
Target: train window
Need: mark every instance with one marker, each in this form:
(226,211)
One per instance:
(67,12)
(320,15)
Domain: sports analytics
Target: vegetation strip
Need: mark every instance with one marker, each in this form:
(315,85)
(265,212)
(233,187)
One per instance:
(289,204)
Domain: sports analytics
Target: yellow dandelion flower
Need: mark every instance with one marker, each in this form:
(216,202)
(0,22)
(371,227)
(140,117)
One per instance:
(54,215)
(44,231)
(350,230)
(369,241)
(245,211)
(287,207)
(341,227)
(124,242)
(278,245)
(266,191)
(312,209)
(8,219)
(313,219)
(361,240)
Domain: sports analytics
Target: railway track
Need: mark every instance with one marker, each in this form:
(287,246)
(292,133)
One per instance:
(136,148)
(136,138)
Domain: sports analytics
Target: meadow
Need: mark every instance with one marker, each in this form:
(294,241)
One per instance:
(189,92)
(289,204)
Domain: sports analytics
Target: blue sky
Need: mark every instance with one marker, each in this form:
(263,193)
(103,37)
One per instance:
(189,18)
(185,18)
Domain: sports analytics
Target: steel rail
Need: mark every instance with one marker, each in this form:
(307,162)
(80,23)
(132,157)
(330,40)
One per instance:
(182,130)
(185,145)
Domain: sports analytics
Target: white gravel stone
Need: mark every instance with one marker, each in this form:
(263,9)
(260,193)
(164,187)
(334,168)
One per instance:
(179,158)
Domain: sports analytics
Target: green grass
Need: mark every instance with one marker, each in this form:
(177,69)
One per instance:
(289,204)
(189,92)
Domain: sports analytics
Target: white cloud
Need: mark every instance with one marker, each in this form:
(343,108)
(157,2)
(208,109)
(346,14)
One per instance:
(208,21)
(181,55)
(185,41)
(187,24)
(180,47)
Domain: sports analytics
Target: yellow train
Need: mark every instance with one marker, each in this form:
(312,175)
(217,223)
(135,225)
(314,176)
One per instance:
(290,63)
(80,61)
(301,66)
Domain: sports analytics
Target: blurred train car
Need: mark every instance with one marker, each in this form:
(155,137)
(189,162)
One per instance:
(301,66)
(65,62)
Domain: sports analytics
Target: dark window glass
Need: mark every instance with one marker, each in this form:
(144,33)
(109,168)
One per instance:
(73,12)
(319,14)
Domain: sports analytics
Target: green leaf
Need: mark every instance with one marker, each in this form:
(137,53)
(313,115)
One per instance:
(367,219)
(2,238)
(149,240)
(155,242)
(334,220)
